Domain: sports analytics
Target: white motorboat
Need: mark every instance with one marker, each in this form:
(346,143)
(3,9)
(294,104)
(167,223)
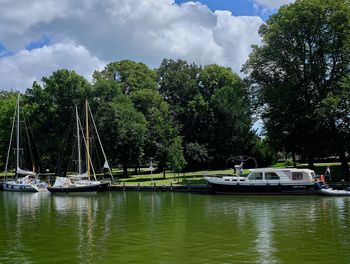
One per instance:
(266,180)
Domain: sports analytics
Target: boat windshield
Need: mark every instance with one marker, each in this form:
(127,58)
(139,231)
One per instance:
(255,176)
(271,176)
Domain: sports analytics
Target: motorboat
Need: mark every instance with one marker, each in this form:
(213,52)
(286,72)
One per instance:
(333,192)
(266,181)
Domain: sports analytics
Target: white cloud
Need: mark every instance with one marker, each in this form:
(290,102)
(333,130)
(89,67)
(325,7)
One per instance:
(19,71)
(141,30)
(272,4)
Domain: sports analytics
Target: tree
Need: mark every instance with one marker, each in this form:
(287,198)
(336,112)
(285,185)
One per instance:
(138,82)
(51,108)
(124,130)
(302,62)
(132,76)
(161,127)
(176,160)
(196,156)
(178,82)
(231,128)
(7,109)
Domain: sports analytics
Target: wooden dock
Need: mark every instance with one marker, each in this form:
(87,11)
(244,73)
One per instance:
(194,188)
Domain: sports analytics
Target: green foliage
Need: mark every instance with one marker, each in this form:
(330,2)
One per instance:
(142,113)
(50,108)
(211,105)
(131,76)
(232,122)
(176,160)
(297,75)
(7,109)
(197,155)
(263,153)
(178,82)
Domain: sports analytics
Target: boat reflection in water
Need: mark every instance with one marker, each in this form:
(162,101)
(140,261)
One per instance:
(164,227)
(91,224)
(19,212)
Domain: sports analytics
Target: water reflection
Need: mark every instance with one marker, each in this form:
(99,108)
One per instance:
(142,227)
(18,211)
(92,223)
(270,224)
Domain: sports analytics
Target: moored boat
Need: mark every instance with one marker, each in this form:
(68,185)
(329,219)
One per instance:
(82,182)
(24,180)
(334,192)
(266,181)
(71,185)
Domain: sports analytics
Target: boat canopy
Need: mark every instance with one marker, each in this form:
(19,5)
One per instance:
(61,181)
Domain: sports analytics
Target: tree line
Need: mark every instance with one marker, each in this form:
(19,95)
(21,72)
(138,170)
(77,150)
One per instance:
(185,116)
(181,115)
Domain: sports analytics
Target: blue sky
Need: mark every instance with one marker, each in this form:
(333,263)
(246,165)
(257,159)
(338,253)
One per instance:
(237,7)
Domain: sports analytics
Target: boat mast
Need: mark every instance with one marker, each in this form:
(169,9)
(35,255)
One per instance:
(87,139)
(9,148)
(17,145)
(78,139)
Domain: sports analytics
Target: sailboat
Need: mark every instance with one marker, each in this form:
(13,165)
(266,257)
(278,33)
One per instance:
(82,181)
(25,180)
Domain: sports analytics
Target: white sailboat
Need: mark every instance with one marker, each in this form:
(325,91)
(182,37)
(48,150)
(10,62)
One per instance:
(83,181)
(25,180)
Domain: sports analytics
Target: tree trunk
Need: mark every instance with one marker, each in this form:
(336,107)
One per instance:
(125,170)
(294,161)
(345,166)
(310,161)
(135,172)
(163,174)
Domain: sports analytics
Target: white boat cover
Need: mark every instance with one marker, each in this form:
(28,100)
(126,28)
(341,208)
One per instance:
(25,172)
(78,176)
(61,182)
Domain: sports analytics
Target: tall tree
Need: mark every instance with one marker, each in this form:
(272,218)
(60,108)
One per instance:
(176,160)
(7,109)
(51,108)
(132,76)
(231,128)
(139,83)
(302,61)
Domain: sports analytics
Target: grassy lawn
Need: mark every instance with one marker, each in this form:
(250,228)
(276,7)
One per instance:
(144,178)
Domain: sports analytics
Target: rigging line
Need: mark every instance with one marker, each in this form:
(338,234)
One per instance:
(92,166)
(9,149)
(65,142)
(35,144)
(17,138)
(29,143)
(70,164)
(99,140)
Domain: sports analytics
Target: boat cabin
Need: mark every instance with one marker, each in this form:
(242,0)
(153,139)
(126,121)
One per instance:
(281,175)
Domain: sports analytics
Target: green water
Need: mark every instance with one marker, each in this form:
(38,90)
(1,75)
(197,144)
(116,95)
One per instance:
(166,227)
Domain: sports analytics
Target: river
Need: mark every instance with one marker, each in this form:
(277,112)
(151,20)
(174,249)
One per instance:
(166,227)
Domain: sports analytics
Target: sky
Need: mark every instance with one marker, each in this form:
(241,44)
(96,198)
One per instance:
(38,37)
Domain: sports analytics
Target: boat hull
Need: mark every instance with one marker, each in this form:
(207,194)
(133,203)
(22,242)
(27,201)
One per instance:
(332,192)
(15,187)
(263,189)
(79,189)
